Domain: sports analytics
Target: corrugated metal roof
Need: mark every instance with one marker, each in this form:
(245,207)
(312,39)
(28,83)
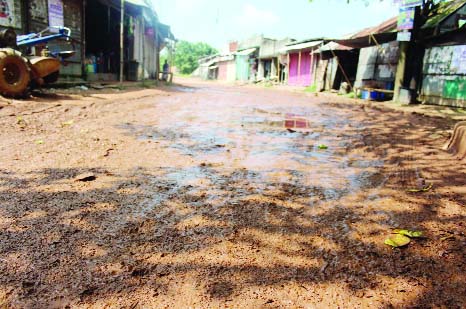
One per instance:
(246,52)
(138,3)
(332,46)
(444,10)
(389,25)
(302,46)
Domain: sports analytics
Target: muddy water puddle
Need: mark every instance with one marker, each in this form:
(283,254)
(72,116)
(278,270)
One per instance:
(253,151)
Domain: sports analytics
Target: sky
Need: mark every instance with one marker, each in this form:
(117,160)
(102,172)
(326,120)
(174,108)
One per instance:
(218,22)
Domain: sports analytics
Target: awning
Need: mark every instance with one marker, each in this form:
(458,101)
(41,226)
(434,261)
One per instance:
(165,31)
(302,46)
(138,3)
(246,52)
(332,46)
(213,67)
(368,40)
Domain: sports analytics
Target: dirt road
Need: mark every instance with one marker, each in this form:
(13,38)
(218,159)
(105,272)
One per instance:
(198,196)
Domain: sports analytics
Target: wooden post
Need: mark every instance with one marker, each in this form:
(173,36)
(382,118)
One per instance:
(157,54)
(143,49)
(83,38)
(122,30)
(299,66)
(311,69)
(288,67)
(278,69)
(400,70)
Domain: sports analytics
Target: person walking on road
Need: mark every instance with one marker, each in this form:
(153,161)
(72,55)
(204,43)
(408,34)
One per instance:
(166,69)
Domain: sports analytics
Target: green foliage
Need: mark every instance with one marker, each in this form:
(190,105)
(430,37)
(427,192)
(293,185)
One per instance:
(188,54)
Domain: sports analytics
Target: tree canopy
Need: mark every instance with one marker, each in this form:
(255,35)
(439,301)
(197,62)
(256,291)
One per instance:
(187,55)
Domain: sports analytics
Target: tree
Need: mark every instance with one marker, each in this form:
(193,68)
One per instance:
(188,54)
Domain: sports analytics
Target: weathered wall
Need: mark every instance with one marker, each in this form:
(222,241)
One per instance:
(222,70)
(231,71)
(254,41)
(377,65)
(242,68)
(444,76)
(144,49)
(270,48)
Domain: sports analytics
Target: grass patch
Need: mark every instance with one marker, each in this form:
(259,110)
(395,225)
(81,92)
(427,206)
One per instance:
(350,95)
(311,89)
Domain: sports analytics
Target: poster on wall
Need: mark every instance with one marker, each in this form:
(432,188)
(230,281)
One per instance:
(9,17)
(38,10)
(56,18)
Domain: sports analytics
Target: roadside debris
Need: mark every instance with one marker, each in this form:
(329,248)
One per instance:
(425,189)
(107,152)
(67,123)
(322,147)
(20,122)
(86,177)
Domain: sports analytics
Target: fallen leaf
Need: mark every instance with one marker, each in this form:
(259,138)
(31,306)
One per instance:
(397,240)
(411,234)
(67,123)
(39,142)
(322,147)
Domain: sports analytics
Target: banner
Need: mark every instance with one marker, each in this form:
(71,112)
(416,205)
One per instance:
(56,13)
(9,16)
(406,19)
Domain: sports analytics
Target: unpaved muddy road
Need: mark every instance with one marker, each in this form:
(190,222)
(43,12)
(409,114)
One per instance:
(199,196)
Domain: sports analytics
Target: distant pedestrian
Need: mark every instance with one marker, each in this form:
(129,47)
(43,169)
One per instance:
(166,70)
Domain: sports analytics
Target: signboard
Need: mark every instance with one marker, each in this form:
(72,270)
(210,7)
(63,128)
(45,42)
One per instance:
(404,36)
(408,3)
(9,16)
(56,13)
(406,19)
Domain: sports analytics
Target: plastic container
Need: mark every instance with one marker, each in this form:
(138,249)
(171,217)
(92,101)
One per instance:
(365,95)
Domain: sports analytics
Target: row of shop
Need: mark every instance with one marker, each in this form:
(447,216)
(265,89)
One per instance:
(367,61)
(95,35)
